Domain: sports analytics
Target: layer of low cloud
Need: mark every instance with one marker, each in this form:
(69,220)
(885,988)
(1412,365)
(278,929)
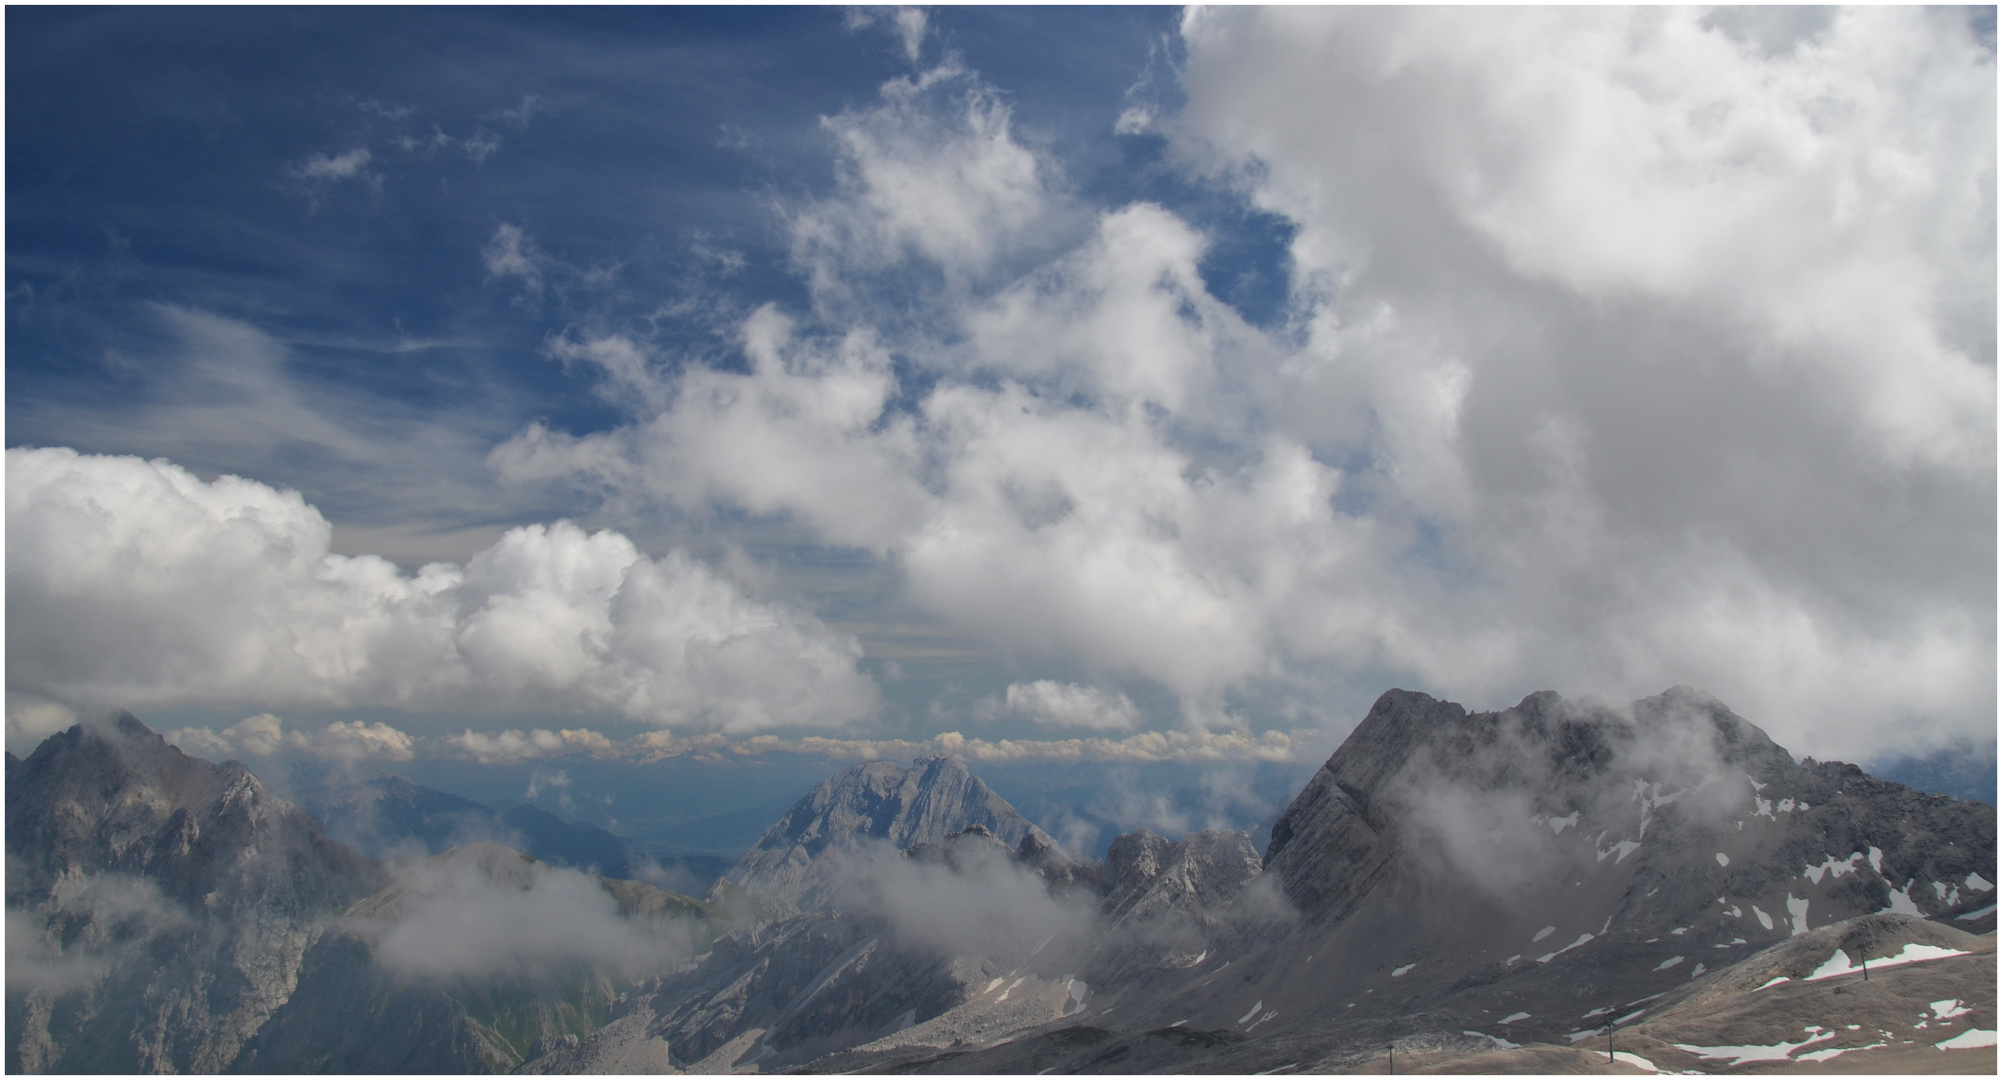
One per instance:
(264,736)
(147,586)
(1627,349)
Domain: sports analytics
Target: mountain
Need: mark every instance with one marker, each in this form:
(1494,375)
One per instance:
(429,975)
(158,906)
(1464,884)
(381,814)
(384,815)
(796,862)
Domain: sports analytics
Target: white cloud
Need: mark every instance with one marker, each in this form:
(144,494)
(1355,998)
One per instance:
(147,586)
(459,919)
(347,166)
(264,735)
(1061,704)
(907,23)
(932,171)
(511,253)
(1658,363)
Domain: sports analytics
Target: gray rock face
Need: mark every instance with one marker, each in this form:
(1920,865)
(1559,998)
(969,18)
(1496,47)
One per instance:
(159,904)
(1147,877)
(1699,802)
(877,800)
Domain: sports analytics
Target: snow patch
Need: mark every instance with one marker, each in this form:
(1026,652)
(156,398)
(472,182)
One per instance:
(1635,1060)
(1246,1018)
(1838,866)
(1723,859)
(1765,920)
(1876,860)
(1972,1038)
(1902,903)
(1976,914)
(1543,933)
(1624,847)
(992,985)
(1400,971)
(1798,910)
(1698,970)
(1513,1017)
(1559,824)
(1912,953)
(1500,1043)
(1743,1054)
(1977,883)
(1668,963)
(1771,982)
(1833,1052)
(1547,957)
(1949,1008)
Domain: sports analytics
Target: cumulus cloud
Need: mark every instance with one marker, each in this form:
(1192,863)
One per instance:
(1626,349)
(264,735)
(148,586)
(1060,704)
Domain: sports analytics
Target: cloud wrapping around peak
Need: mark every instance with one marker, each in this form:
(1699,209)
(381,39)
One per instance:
(149,586)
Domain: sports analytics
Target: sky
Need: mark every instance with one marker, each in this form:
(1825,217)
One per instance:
(1109,385)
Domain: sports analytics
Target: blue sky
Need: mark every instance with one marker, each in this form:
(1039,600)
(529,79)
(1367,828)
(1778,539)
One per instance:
(1109,384)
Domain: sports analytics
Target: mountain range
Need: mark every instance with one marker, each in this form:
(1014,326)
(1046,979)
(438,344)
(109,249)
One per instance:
(1469,891)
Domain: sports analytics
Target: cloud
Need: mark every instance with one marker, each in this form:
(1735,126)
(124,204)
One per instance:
(264,735)
(1059,704)
(148,586)
(455,920)
(510,253)
(347,166)
(982,904)
(1668,363)
(933,171)
(907,23)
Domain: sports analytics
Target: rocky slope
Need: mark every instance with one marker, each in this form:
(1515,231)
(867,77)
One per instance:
(158,905)
(797,861)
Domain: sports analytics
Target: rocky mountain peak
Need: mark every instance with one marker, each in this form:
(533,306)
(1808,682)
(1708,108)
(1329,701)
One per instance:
(877,800)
